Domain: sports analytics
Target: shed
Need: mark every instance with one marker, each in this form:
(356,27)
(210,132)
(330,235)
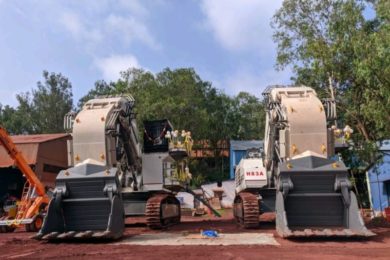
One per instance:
(238,150)
(45,153)
(378,180)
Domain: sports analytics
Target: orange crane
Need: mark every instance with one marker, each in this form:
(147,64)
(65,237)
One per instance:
(34,197)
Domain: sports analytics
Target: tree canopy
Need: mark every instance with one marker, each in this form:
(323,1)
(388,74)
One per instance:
(335,49)
(189,102)
(42,110)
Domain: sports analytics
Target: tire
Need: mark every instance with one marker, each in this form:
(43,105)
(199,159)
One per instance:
(27,227)
(10,229)
(3,229)
(36,225)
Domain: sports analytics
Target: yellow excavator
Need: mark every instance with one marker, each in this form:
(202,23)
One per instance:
(29,211)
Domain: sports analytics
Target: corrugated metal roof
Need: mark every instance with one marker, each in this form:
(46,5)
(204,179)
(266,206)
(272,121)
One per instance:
(29,151)
(23,139)
(28,145)
(244,145)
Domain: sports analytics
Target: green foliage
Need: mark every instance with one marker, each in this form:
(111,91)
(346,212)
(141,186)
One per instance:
(250,116)
(14,124)
(102,88)
(192,104)
(188,102)
(334,49)
(42,110)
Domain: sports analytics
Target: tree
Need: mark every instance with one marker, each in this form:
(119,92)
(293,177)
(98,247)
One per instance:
(335,50)
(178,95)
(192,104)
(102,88)
(43,109)
(251,117)
(7,119)
(373,69)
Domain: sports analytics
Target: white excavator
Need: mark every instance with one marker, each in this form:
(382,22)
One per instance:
(112,178)
(296,173)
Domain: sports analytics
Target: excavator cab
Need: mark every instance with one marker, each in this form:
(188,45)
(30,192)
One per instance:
(253,153)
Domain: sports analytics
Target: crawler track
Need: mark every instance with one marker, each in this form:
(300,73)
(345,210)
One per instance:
(162,210)
(246,210)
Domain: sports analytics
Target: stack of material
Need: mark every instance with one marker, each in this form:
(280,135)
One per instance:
(217,199)
(226,201)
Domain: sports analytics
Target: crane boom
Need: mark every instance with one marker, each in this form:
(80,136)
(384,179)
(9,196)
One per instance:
(33,199)
(20,162)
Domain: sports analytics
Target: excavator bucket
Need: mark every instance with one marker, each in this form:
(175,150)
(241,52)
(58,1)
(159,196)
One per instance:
(86,204)
(314,198)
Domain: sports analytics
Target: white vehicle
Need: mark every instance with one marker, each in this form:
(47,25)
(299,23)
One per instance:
(296,177)
(250,172)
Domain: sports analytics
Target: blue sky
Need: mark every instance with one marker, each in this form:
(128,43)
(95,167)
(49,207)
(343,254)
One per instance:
(228,42)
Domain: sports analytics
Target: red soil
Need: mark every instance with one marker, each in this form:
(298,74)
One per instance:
(19,245)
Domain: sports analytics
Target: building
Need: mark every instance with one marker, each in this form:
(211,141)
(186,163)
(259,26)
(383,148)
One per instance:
(46,154)
(203,149)
(238,150)
(378,180)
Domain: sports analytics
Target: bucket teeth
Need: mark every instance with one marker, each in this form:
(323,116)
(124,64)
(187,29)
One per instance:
(309,232)
(86,234)
(66,235)
(76,235)
(52,235)
(104,234)
(327,233)
(37,236)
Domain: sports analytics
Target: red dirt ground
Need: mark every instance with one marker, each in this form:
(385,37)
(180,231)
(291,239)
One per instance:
(19,245)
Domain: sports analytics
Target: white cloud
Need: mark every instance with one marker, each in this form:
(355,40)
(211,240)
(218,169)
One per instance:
(107,24)
(123,22)
(241,25)
(80,31)
(111,66)
(130,30)
(135,7)
(255,83)
(244,26)
(72,23)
